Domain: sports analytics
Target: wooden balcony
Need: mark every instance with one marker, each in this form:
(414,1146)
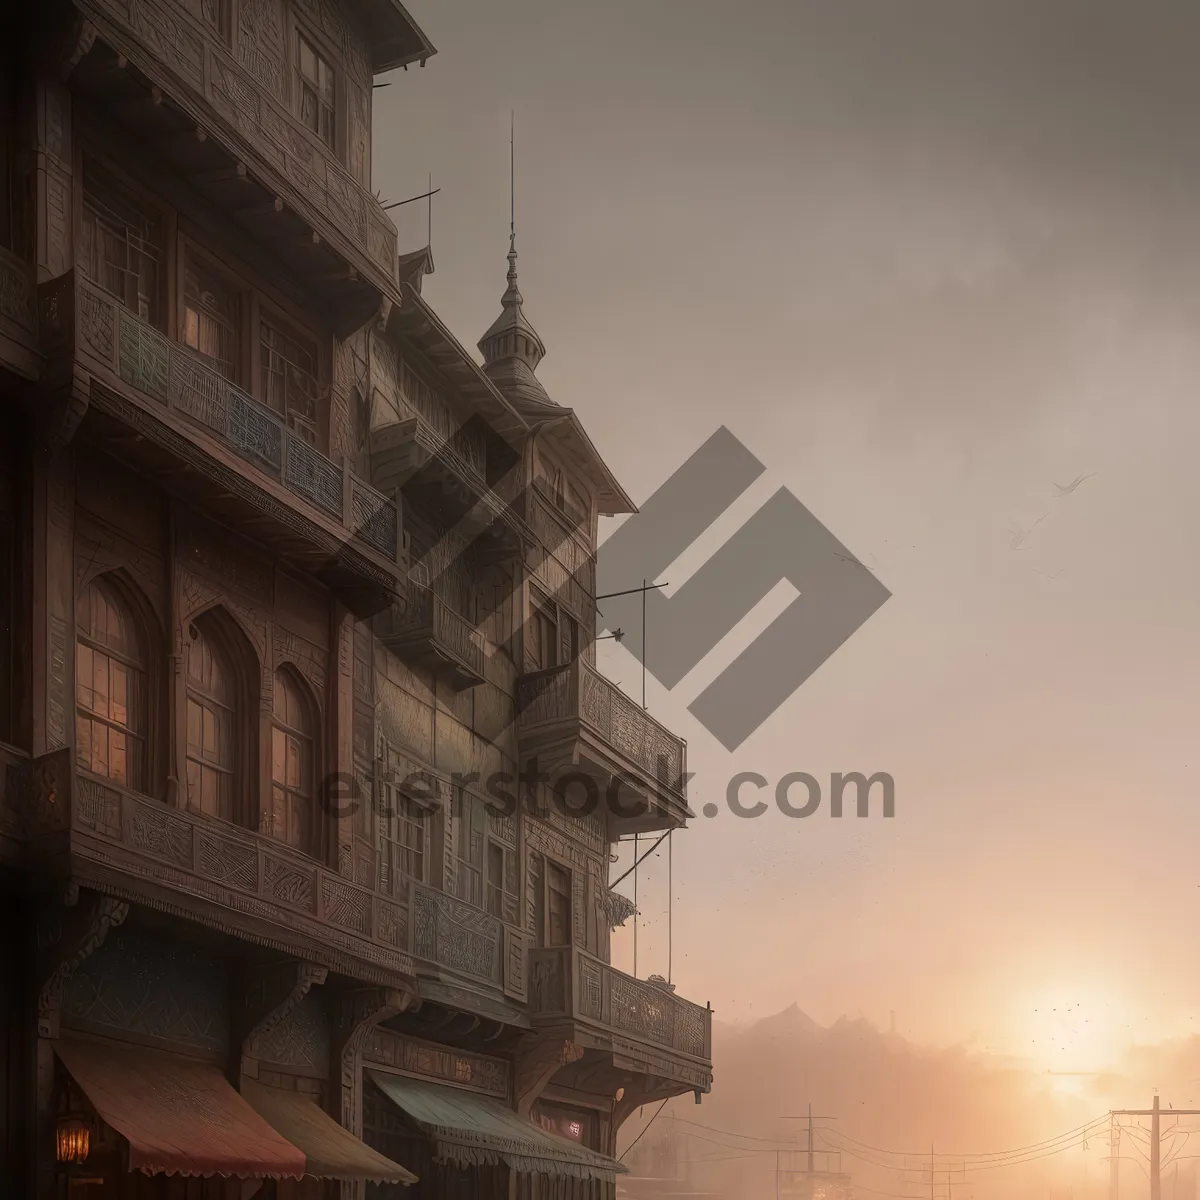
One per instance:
(455,944)
(156,404)
(220,121)
(644,1025)
(431,634)
(59,823)
(448,476)
(573,719)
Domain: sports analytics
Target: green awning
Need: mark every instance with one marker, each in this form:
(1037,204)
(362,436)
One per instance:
(469,1130)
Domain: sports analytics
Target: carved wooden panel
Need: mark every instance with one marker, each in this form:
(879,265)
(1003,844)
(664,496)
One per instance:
(456,936)
(462,1068)
(301,1040)
(163,991)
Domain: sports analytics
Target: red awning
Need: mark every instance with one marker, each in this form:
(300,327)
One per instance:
(180,1117)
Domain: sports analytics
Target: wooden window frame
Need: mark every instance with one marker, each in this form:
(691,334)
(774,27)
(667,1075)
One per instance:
(148,671)
(265,309)
(543,606)
(403,811)
(142,196)
(298,27)
(315,846)
(542,907)
(190,248)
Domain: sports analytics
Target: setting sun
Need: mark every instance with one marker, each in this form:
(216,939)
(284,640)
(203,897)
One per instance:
(1074,1029)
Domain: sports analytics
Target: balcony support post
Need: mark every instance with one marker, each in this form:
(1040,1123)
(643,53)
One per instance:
(356,1012)
(269,995)
(537,1060)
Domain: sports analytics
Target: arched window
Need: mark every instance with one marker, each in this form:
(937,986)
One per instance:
(110,687)
(293,763)
(212,704)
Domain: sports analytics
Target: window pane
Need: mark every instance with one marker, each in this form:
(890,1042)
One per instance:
(83,675)
(212,312)
(122,243)
(100,683)
(120,705)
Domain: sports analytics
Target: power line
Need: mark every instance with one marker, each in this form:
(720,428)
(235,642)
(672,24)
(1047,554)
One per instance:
(643,1133)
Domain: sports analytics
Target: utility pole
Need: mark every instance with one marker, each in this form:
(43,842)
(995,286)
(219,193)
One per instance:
(1155,1115)
(1155,1154)
(1114,1155)
(810,1140)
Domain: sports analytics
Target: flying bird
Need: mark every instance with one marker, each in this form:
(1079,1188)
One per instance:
(1066,491)
(1019,538)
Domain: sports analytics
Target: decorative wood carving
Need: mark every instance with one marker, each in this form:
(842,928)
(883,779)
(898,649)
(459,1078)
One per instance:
(68,933)
(164,991)
(269,995)
(535,1062)
(428,1060)
(248,95)
(356,1013)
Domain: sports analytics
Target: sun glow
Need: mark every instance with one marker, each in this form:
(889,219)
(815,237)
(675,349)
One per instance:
(1071,1029)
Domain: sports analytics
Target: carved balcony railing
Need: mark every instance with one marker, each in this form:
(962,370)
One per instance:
(19,349)
(466,941)
(250,463)
(571,717)
(428,632)
(645,1023)
(60,823)
(230,878)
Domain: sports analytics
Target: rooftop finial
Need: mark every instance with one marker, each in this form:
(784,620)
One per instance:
(512,295)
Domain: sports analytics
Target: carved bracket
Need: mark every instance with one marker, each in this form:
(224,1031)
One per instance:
(356,1012)
(535,1063)
(68,933)
(268,997)
(638,1092)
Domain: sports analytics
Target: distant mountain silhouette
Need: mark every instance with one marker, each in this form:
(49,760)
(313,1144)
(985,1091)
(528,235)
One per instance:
(884,1091)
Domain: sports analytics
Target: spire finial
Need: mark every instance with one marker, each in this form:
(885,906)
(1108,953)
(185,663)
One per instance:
(512,294)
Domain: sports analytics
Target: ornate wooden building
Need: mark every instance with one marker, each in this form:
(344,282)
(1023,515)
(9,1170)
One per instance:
(297,632)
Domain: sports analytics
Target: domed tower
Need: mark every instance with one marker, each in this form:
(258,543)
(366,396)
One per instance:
(511,348)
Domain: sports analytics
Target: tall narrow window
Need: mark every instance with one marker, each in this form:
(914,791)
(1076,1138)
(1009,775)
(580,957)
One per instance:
(211,727)
(289,375)
(404,825)
(110,688)
(290,817)
(558,905)
(469,838)
(543,633)
(552,900)
(315,92)
(495,879)
(212,312)
(121,244)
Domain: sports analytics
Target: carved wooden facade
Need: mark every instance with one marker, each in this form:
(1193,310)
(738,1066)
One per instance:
(288,582)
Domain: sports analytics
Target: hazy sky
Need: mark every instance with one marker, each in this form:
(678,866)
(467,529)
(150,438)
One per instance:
(926,259)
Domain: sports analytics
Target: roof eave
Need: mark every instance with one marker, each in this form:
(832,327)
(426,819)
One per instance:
(612,499)
(396,38)
(498,411)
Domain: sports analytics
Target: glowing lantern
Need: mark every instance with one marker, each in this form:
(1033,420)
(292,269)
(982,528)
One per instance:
(73,1140)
